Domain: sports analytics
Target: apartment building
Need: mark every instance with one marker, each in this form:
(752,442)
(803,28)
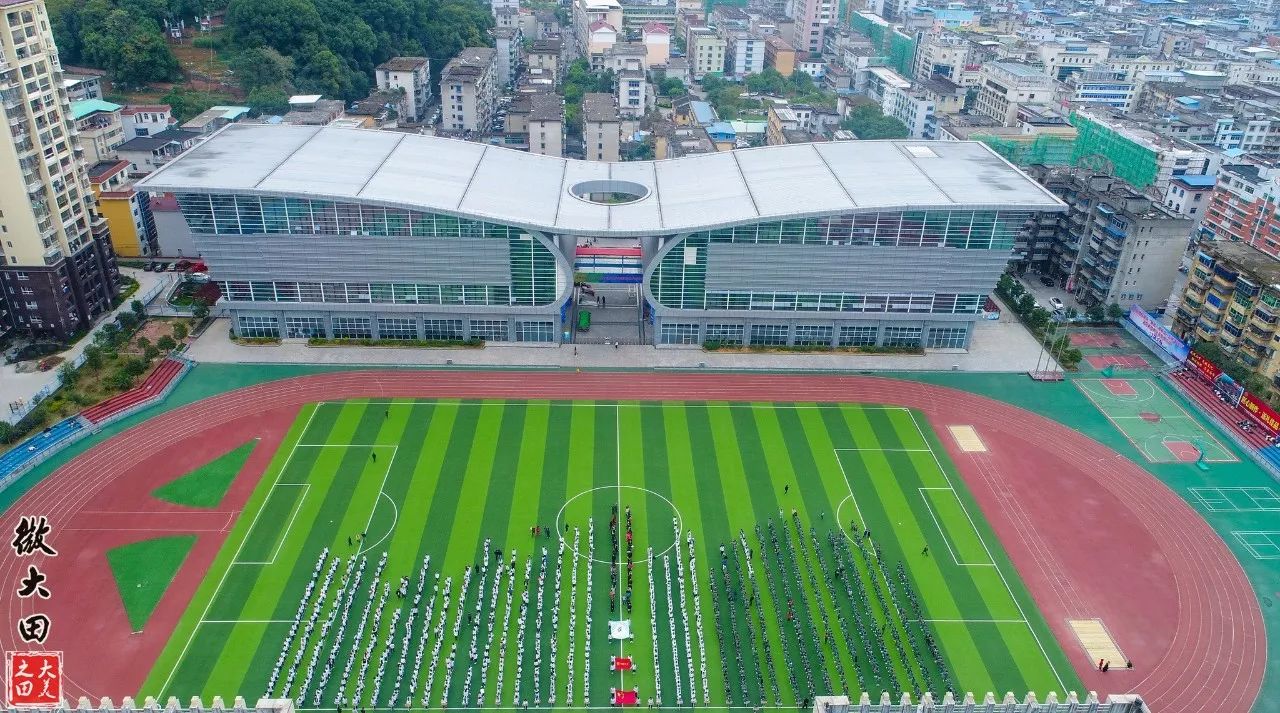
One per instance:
(469,90)
(508,46)
(1102,85)
(779,56)
(1245,206)
(1114,245)
(82,86)
(1005,87)
(126,210)
(57,269)
(1189,196)
(601,127)
(656,37)
(543,58)
(632,93)
(147,153)
(1232,297)
(590,35)
(899,98)
(812,18)
(945,54)
(745,54)
(98,128)
(411,77)
(707,50)
(1066,56)
(1135,152)
(546,124)
(145,119)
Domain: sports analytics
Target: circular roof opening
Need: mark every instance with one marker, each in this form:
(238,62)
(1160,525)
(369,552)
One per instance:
(609,192)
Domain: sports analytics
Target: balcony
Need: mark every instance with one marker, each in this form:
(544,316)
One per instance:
(1258,322)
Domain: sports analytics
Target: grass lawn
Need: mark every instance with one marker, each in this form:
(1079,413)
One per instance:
(797,602)
(143,570)
(205,486)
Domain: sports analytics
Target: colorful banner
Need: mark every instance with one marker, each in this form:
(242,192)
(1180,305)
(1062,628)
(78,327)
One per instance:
(1158,333)
(1258,408)
(1221,381)
(1204,366)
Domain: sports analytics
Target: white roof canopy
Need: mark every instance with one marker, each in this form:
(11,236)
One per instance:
(693,193)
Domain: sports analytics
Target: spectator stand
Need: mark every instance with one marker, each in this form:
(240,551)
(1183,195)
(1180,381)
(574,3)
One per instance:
(38,448)
(1256,442)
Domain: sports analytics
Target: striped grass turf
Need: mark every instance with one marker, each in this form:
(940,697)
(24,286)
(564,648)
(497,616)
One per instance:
(793,482)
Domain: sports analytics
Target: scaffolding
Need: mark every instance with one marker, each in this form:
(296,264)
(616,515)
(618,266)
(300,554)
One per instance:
(1023,151)
(1127,159)
(902,53)
(897,48)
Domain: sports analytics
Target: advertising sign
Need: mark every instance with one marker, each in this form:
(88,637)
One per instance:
(1158,333)
(1261,411)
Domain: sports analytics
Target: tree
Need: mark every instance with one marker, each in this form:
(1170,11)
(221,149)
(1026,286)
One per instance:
(200,311)
(671,87)
(166,343)
(93,357)
(259,67)
(1115,312)
(268,100)
(139,309)
(322,73)
(120,380)
(285,25)
(1038,319)
(1095,313)
(770,81)
(1025,304)
(869,123)
(186,104)
(68,375)
(8,434)
(143,343)
(151,352)
(179,331)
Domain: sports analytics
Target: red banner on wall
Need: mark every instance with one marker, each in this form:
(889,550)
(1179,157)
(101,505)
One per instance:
(1204,366)
(1261,411)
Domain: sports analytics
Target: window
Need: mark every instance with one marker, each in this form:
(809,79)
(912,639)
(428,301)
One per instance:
(727,334)
(535,332)
(859,336)
(254,326)
(771,334)
(814,335)
(679,334)
(303,327)
(352,328)
(902,336)
(397,328)
(490,330)
(442,329)
(948,337)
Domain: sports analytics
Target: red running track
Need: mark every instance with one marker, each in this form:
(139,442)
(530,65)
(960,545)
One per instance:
(1092,534)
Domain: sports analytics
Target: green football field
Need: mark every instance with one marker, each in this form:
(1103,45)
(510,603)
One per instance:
(750,578)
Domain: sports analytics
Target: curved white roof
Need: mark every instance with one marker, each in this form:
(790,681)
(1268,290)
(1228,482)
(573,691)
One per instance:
(516,188)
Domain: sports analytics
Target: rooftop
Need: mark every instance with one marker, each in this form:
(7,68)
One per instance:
(1258,265)
(546,107)
(103,170)
(470,61)
(599,106)
(154,141)
(85,107)
(151,108)
(461,178)
(213,113)
(404,64)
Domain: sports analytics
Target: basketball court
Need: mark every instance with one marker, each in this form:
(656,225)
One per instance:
(1156,424)
(1109,347)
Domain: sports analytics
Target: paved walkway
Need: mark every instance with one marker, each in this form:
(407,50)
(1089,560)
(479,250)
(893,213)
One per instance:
(1003,346)
(15,386)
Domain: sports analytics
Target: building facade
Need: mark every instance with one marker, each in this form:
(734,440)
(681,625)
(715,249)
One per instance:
(601,127)
(425,237)
(1245,207)
(706,49)
(1004,87)
(98,128)
(145,119)
(469,89)
(411,76)
(57,269)
(1232,298)
(546,125)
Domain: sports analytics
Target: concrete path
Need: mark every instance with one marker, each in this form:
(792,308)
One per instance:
(998,346)
(16,386)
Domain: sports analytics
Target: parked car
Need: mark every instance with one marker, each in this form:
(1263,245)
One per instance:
(198,277)
(1046,281)
(162,266)
(1056,303)
(149,266)
(182,265)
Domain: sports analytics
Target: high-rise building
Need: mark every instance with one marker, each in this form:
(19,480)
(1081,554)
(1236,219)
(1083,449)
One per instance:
(1245,207)
(58,270)
(412,76)
(601,127)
